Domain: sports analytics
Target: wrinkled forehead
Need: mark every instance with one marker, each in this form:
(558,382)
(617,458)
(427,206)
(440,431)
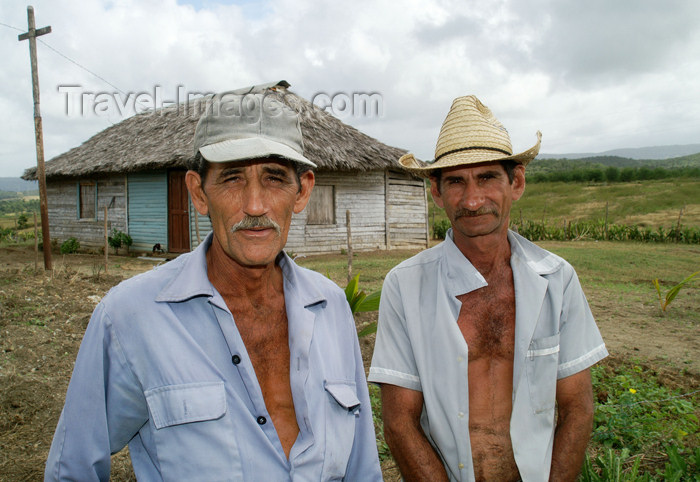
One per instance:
(468,168)
(266,163)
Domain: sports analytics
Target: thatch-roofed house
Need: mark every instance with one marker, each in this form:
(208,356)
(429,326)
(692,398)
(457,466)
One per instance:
(136,169)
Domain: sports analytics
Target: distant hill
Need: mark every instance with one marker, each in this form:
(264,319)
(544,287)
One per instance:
(653,152)
(559,164)
(15,184)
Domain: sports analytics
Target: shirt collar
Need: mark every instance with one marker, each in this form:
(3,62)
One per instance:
(462,277)
(537,259)
(298,284)
(191,279)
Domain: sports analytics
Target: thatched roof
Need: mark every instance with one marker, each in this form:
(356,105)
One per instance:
(163,139)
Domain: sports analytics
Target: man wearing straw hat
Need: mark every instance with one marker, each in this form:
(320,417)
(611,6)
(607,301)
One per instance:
(485,341)
(230,362)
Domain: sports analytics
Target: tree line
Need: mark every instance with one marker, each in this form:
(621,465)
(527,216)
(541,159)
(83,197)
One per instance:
(18,206)
(612,174)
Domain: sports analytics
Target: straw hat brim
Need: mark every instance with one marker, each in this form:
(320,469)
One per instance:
(465,157)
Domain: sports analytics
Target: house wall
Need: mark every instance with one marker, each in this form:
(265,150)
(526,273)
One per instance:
(407,211)
(364,195)
(377,221)
(62,197)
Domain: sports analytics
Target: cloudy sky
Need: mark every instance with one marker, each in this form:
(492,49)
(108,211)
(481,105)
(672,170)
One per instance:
(591,75)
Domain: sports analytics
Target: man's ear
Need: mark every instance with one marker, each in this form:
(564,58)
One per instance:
(518,184)
(435,191)
(197,194)
(307,179)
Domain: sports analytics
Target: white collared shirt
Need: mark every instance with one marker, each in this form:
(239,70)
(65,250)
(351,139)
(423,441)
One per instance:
(420,346)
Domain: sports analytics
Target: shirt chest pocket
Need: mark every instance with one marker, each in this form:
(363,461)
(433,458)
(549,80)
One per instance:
(192,435)
(343,408)
(541,365)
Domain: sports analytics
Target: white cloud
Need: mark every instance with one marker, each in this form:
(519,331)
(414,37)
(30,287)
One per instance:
(591,75)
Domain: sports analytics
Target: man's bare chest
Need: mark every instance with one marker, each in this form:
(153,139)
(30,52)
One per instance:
(487,320)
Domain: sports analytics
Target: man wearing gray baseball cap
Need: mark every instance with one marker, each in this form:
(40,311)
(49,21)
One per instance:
(230,362)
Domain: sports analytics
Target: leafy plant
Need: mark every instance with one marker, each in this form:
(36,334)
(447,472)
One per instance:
(119,239)
(440,228)
(673,292)
(360,301)
(611,467)
(22,221)
(70,245)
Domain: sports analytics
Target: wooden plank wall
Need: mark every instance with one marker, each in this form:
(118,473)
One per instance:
(62,196)
(363,195)
(148,210)
(406,211)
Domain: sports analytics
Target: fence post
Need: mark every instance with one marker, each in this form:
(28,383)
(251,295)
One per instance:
(678,225)
(606,221)
(196,227)
(36,244)
(347,220)
(106,241)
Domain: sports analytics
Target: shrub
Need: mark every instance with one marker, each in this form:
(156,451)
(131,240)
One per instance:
(22,221)
(119,239)
(440,228)
(70,245)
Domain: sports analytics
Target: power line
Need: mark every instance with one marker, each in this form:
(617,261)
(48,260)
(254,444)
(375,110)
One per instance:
(84,68)
(71,60)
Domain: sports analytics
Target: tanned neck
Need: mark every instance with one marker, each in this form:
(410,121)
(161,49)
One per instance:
(255,284)
(486,253)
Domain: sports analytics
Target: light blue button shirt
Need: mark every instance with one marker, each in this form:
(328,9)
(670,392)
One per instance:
(163,368)
(420,346)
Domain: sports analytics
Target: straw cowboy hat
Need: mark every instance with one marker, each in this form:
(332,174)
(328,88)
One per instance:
(469,135)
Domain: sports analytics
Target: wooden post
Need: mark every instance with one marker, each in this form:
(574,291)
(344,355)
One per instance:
(678,224)
(196,227)
(32,34)
(606,220)
(36,244)
(106,241)
(387,212)
(347,220)
(427,219)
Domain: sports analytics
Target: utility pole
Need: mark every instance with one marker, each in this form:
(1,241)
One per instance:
(32,34)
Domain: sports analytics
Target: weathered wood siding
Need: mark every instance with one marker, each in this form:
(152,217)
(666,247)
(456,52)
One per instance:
(148,210)
(406,210)
(62,196)
(363,195)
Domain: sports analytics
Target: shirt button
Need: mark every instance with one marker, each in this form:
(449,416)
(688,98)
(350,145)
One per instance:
(236,359)
(460,414)
(262,420)
(461,466)
(459,359)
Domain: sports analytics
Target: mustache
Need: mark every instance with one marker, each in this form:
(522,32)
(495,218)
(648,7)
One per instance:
(251,222)
(463,212)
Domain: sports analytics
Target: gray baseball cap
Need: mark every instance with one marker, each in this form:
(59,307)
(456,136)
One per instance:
(239,127)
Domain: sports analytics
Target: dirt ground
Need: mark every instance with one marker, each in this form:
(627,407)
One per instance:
(43,316)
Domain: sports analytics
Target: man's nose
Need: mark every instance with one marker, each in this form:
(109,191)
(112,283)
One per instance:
(473,197)
(254,202)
